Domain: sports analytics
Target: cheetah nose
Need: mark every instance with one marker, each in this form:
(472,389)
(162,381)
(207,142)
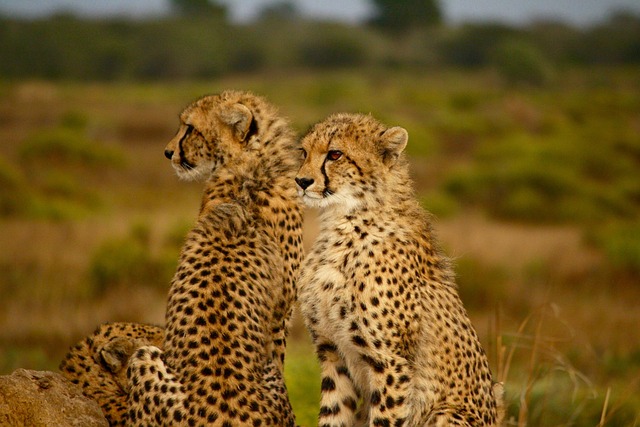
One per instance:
(168,154)
(304,182)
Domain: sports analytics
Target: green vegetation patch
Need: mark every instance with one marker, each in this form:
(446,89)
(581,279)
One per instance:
(620,243)
(54,172)
(14,196)
(66,146)
(302,377)
(519,61)
(549,179)
(133,261)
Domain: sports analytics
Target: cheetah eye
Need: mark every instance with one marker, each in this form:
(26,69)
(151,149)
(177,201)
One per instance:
(191,130)
(334,154)
(303,153)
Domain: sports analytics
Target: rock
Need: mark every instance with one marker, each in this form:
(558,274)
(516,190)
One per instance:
(42,398)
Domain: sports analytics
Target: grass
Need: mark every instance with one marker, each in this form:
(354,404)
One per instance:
(536,192)
(302,376)
(547,389)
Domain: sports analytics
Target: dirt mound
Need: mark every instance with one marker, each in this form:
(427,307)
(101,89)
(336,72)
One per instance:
(42,398)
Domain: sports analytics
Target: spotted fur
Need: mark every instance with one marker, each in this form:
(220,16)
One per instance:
(233,291)
(221,359)
(378,296)
(98,364)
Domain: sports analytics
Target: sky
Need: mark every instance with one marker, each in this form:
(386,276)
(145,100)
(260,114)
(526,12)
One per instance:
(575,12)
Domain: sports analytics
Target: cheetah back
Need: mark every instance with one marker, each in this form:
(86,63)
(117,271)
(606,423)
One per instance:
(233,291)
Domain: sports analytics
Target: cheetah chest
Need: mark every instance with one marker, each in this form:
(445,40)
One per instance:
(342,290)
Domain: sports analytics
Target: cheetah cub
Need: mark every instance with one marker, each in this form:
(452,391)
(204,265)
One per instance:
(395,344)
(222,357)
(98,364)
(219,361)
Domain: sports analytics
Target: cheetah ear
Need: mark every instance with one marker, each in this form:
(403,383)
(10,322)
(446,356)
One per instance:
(392,142)
(239,118)
(115,354)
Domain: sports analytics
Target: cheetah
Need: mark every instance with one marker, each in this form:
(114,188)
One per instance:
(378,296)
(237,272)
(222,357)
(98,364)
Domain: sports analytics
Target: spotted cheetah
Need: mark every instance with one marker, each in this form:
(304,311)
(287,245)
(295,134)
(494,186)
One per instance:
(232,295)
(395,344)
(98,364)
(222,357)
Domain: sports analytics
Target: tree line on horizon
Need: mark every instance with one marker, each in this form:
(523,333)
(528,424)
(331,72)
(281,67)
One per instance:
(198,41)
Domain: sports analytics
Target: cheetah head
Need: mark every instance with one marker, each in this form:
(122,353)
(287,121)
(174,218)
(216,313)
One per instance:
(347,158)
(213,130)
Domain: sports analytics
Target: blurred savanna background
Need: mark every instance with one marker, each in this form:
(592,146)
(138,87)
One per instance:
(524,124)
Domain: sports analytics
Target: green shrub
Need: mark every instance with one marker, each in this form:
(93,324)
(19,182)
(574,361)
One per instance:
(63,146)
(57,163)
(521,62)
(457,133)
(547,180)
(55,195)
(521,190)
(129,261)
(472,45)
(247,54)
(333,47)
(56,184)
(42,207)
(14,194)
(440,204)
(118,262)
(16,356)
(621,246)
(74,120)
(175,237)
(328,92)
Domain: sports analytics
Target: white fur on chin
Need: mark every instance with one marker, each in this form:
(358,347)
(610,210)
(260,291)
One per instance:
(336,199)
(199,173)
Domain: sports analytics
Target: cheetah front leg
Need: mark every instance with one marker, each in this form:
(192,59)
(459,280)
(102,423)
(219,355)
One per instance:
(389,383)
(339,397)
(276,393)
(273,376)
(156,397)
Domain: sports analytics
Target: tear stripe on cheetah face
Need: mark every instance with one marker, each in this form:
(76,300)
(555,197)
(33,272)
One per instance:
(221,361)
(213,129)
(332,164)
(378,296)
